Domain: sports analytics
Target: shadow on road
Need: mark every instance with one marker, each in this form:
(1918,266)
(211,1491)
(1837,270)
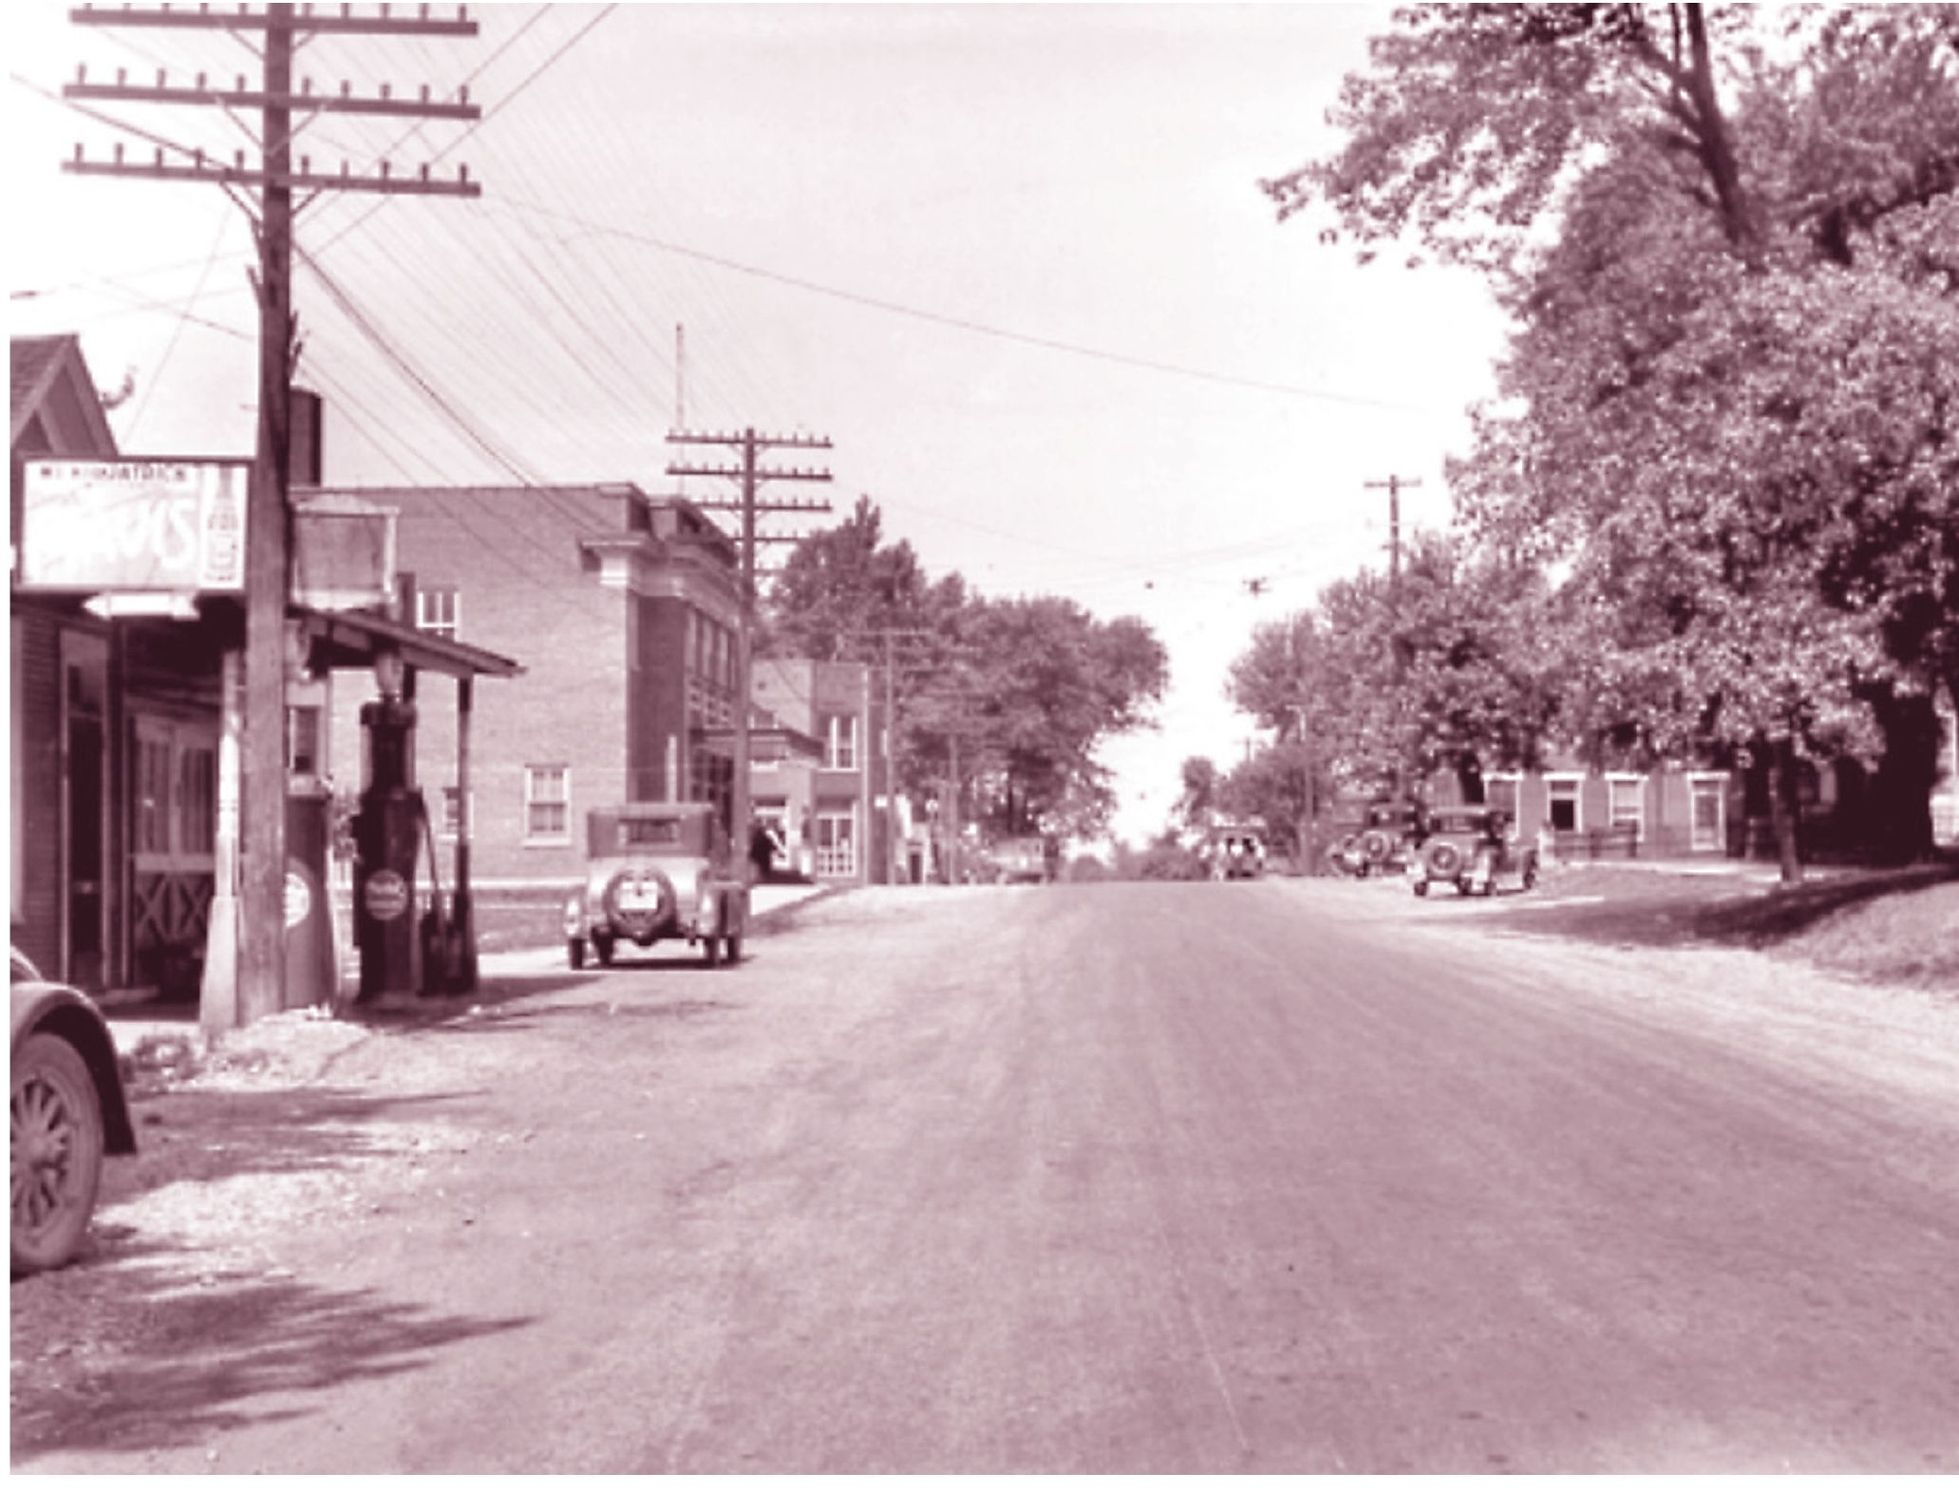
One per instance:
(202,1357)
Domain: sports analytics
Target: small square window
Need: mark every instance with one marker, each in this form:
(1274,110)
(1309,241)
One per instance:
(437,610)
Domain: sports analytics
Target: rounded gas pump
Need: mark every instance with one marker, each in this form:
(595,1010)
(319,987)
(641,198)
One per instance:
(387,841)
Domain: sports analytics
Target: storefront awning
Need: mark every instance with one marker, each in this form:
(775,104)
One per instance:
(352,640)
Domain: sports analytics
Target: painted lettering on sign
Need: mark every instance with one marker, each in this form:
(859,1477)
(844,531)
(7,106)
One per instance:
(386,897)
(133,525)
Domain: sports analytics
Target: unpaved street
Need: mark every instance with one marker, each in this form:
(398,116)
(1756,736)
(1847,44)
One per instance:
(1256,1177)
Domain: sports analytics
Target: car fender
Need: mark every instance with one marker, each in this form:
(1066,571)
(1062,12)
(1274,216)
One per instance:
(47,1007)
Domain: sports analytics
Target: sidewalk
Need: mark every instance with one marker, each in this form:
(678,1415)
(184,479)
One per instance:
(161,1033)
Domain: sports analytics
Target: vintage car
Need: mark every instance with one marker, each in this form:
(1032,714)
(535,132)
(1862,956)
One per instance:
(653,871)
(1233,853)
(1470,849)
(68,1112)
(1022,859)
(1379,838)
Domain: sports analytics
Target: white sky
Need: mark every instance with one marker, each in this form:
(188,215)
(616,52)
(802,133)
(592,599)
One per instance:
(818,194)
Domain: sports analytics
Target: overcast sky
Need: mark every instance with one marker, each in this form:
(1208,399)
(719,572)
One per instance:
(1012,260)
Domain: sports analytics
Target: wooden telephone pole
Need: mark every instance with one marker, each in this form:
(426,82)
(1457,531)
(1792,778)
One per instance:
(751,474)
(1394,486)
(256,906)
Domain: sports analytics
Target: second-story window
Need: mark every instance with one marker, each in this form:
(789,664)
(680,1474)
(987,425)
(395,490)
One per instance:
(436,609)
(840,742)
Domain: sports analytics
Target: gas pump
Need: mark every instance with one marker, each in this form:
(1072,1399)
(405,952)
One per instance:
(387,838)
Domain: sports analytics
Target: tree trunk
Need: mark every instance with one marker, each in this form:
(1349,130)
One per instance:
(1717,150)
(1902,789)
(1782,810)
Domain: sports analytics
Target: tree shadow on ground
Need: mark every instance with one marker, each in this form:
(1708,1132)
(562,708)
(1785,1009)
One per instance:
(1675,911)
(207,1135)
(205,1357)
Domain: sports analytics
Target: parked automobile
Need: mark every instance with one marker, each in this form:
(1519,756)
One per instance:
(1379,838)
(654,871)
(68,1111)
(1470,849)
(1234,853)
(1022,859)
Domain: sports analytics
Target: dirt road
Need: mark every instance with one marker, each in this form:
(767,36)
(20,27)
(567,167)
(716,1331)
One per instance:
(1227,1178)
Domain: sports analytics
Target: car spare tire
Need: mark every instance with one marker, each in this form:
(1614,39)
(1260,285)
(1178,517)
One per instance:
(1444,860)
(1375,844)
(638,900)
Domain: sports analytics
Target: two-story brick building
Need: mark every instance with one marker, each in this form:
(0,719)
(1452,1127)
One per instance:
(625,609)
(836,814)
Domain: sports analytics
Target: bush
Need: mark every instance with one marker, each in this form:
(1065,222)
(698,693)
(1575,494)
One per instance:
(1171,862)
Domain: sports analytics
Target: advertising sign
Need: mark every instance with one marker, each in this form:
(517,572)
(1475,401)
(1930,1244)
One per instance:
(133,525)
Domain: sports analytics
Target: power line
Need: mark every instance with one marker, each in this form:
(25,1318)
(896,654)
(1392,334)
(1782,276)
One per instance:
(965,324)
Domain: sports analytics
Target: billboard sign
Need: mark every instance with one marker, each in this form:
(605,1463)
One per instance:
(133,525)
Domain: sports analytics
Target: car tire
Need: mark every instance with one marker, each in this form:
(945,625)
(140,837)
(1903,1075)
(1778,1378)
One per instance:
(1376,845)
(1421,889)
(575,952)
(57,1152)
(1444,861)
(603,945)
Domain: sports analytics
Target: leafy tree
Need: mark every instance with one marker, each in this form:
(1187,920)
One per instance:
(1200,792)
(1010,698)
(1691,212)
(840,586)
(1445,670)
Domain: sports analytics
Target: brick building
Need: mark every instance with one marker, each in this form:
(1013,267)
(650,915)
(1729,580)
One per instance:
(624,609)
(834,809)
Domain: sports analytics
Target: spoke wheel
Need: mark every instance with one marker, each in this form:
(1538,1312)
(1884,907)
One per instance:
(56,1124)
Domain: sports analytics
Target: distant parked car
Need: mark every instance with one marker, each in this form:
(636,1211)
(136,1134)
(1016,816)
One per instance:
(653,871)
(1234,853)
(1471,850)
(1022,859)
(68,1111)
(1378,839)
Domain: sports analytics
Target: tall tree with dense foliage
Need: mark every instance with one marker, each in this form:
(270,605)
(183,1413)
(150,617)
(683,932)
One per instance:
(1001,704)
(1726,237)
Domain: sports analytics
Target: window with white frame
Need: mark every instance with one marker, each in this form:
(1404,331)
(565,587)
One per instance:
(1625,801)
(451,824)
(1503,791)
(1707,798)
(840,742)
(437,610)
(1565,809)
(547,804)
(303,740)
(836,842)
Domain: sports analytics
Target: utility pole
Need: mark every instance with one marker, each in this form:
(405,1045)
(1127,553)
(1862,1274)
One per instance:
(751,474)
(888,637)
(258,977)
(1394,486)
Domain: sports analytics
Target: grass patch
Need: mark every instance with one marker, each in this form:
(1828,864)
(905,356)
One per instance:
(1892,926)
